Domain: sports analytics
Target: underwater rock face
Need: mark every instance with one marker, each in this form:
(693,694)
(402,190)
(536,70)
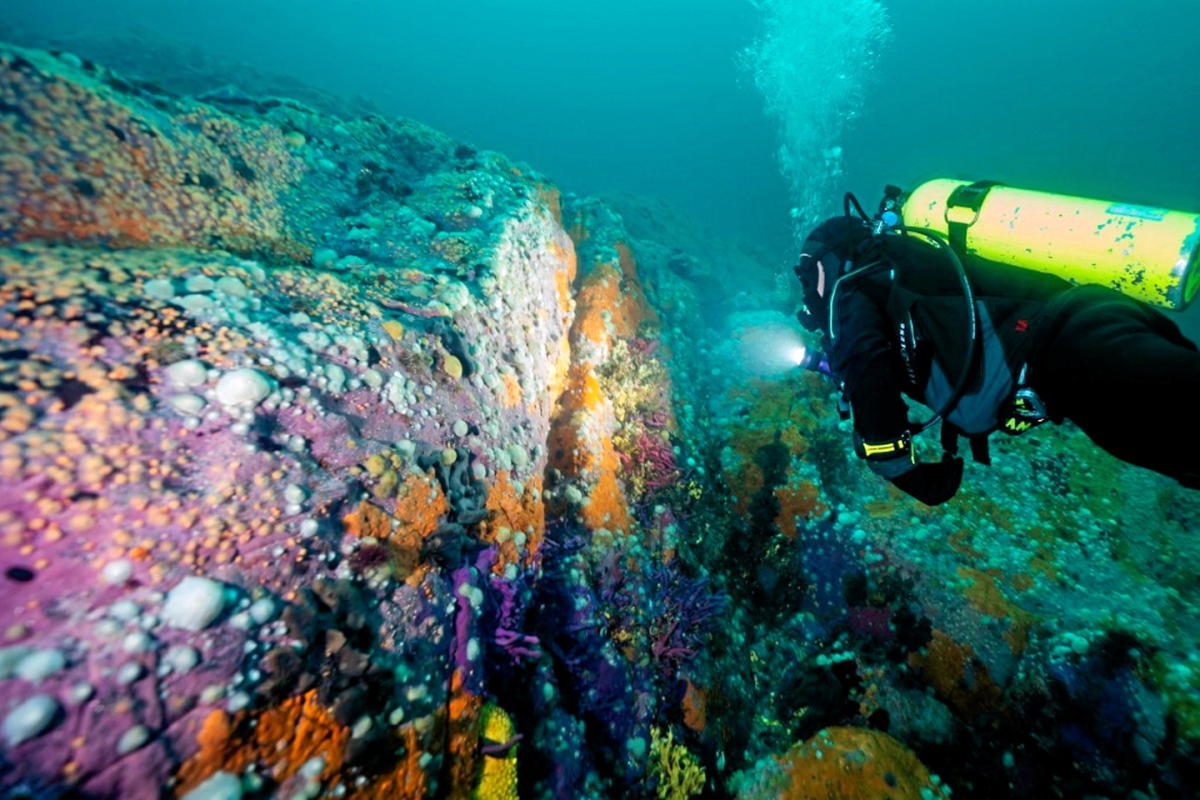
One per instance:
(189,427)
(278,515)
(340,458)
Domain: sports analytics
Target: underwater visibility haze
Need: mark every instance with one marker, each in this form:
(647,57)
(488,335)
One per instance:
(402,400)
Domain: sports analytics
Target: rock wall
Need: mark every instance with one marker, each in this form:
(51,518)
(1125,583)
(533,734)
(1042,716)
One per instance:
(278,402)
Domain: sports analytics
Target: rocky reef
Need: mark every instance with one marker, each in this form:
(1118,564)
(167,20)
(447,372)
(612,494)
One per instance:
(339,458)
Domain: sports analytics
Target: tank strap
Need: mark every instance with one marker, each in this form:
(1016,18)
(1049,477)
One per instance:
(962,211)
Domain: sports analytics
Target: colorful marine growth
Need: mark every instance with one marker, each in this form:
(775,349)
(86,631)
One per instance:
(338,458)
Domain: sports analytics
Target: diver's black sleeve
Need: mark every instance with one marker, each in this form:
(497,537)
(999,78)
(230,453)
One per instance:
(863,356)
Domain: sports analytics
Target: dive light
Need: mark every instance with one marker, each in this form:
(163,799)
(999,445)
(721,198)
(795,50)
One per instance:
(815,360)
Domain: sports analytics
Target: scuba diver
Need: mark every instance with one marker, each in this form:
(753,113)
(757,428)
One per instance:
(936,315)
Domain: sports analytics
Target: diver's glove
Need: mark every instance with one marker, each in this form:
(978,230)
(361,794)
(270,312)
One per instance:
(932,484)
(896,460)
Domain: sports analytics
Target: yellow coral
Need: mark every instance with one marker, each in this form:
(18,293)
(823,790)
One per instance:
(452,366)
(678,773)
(636,385)
(495,725)
(498,778)
(394,329)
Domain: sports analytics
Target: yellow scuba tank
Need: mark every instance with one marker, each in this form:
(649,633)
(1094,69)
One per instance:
(1151,254)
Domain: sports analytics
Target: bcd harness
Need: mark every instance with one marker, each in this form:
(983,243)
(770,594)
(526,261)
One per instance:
(1001,402)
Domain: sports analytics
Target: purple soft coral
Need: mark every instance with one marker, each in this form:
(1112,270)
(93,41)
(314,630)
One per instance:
(684,611)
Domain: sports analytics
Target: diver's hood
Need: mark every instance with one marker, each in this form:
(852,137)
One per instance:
(834,243)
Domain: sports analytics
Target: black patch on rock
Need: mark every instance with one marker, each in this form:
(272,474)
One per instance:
(450,546)
(140,381)
(119,84)
(9,108)
(242,169)
(20,574)
(452,342)
(854,589)
(71,391)
(265,429)
(1116,651)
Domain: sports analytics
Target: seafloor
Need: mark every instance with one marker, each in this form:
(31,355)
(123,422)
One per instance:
(341,459)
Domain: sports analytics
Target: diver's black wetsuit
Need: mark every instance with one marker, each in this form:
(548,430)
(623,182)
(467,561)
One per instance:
(1124,373)
(1114,366)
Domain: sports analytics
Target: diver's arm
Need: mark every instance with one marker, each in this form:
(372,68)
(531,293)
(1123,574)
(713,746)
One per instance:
(862,355)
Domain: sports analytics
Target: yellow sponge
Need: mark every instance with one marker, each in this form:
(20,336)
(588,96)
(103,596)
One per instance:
(498,778)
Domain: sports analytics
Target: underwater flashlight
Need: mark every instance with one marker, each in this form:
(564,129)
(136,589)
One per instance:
(804,358)
(813,360)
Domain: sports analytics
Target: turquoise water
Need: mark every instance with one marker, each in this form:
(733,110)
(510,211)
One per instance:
(1093,99)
